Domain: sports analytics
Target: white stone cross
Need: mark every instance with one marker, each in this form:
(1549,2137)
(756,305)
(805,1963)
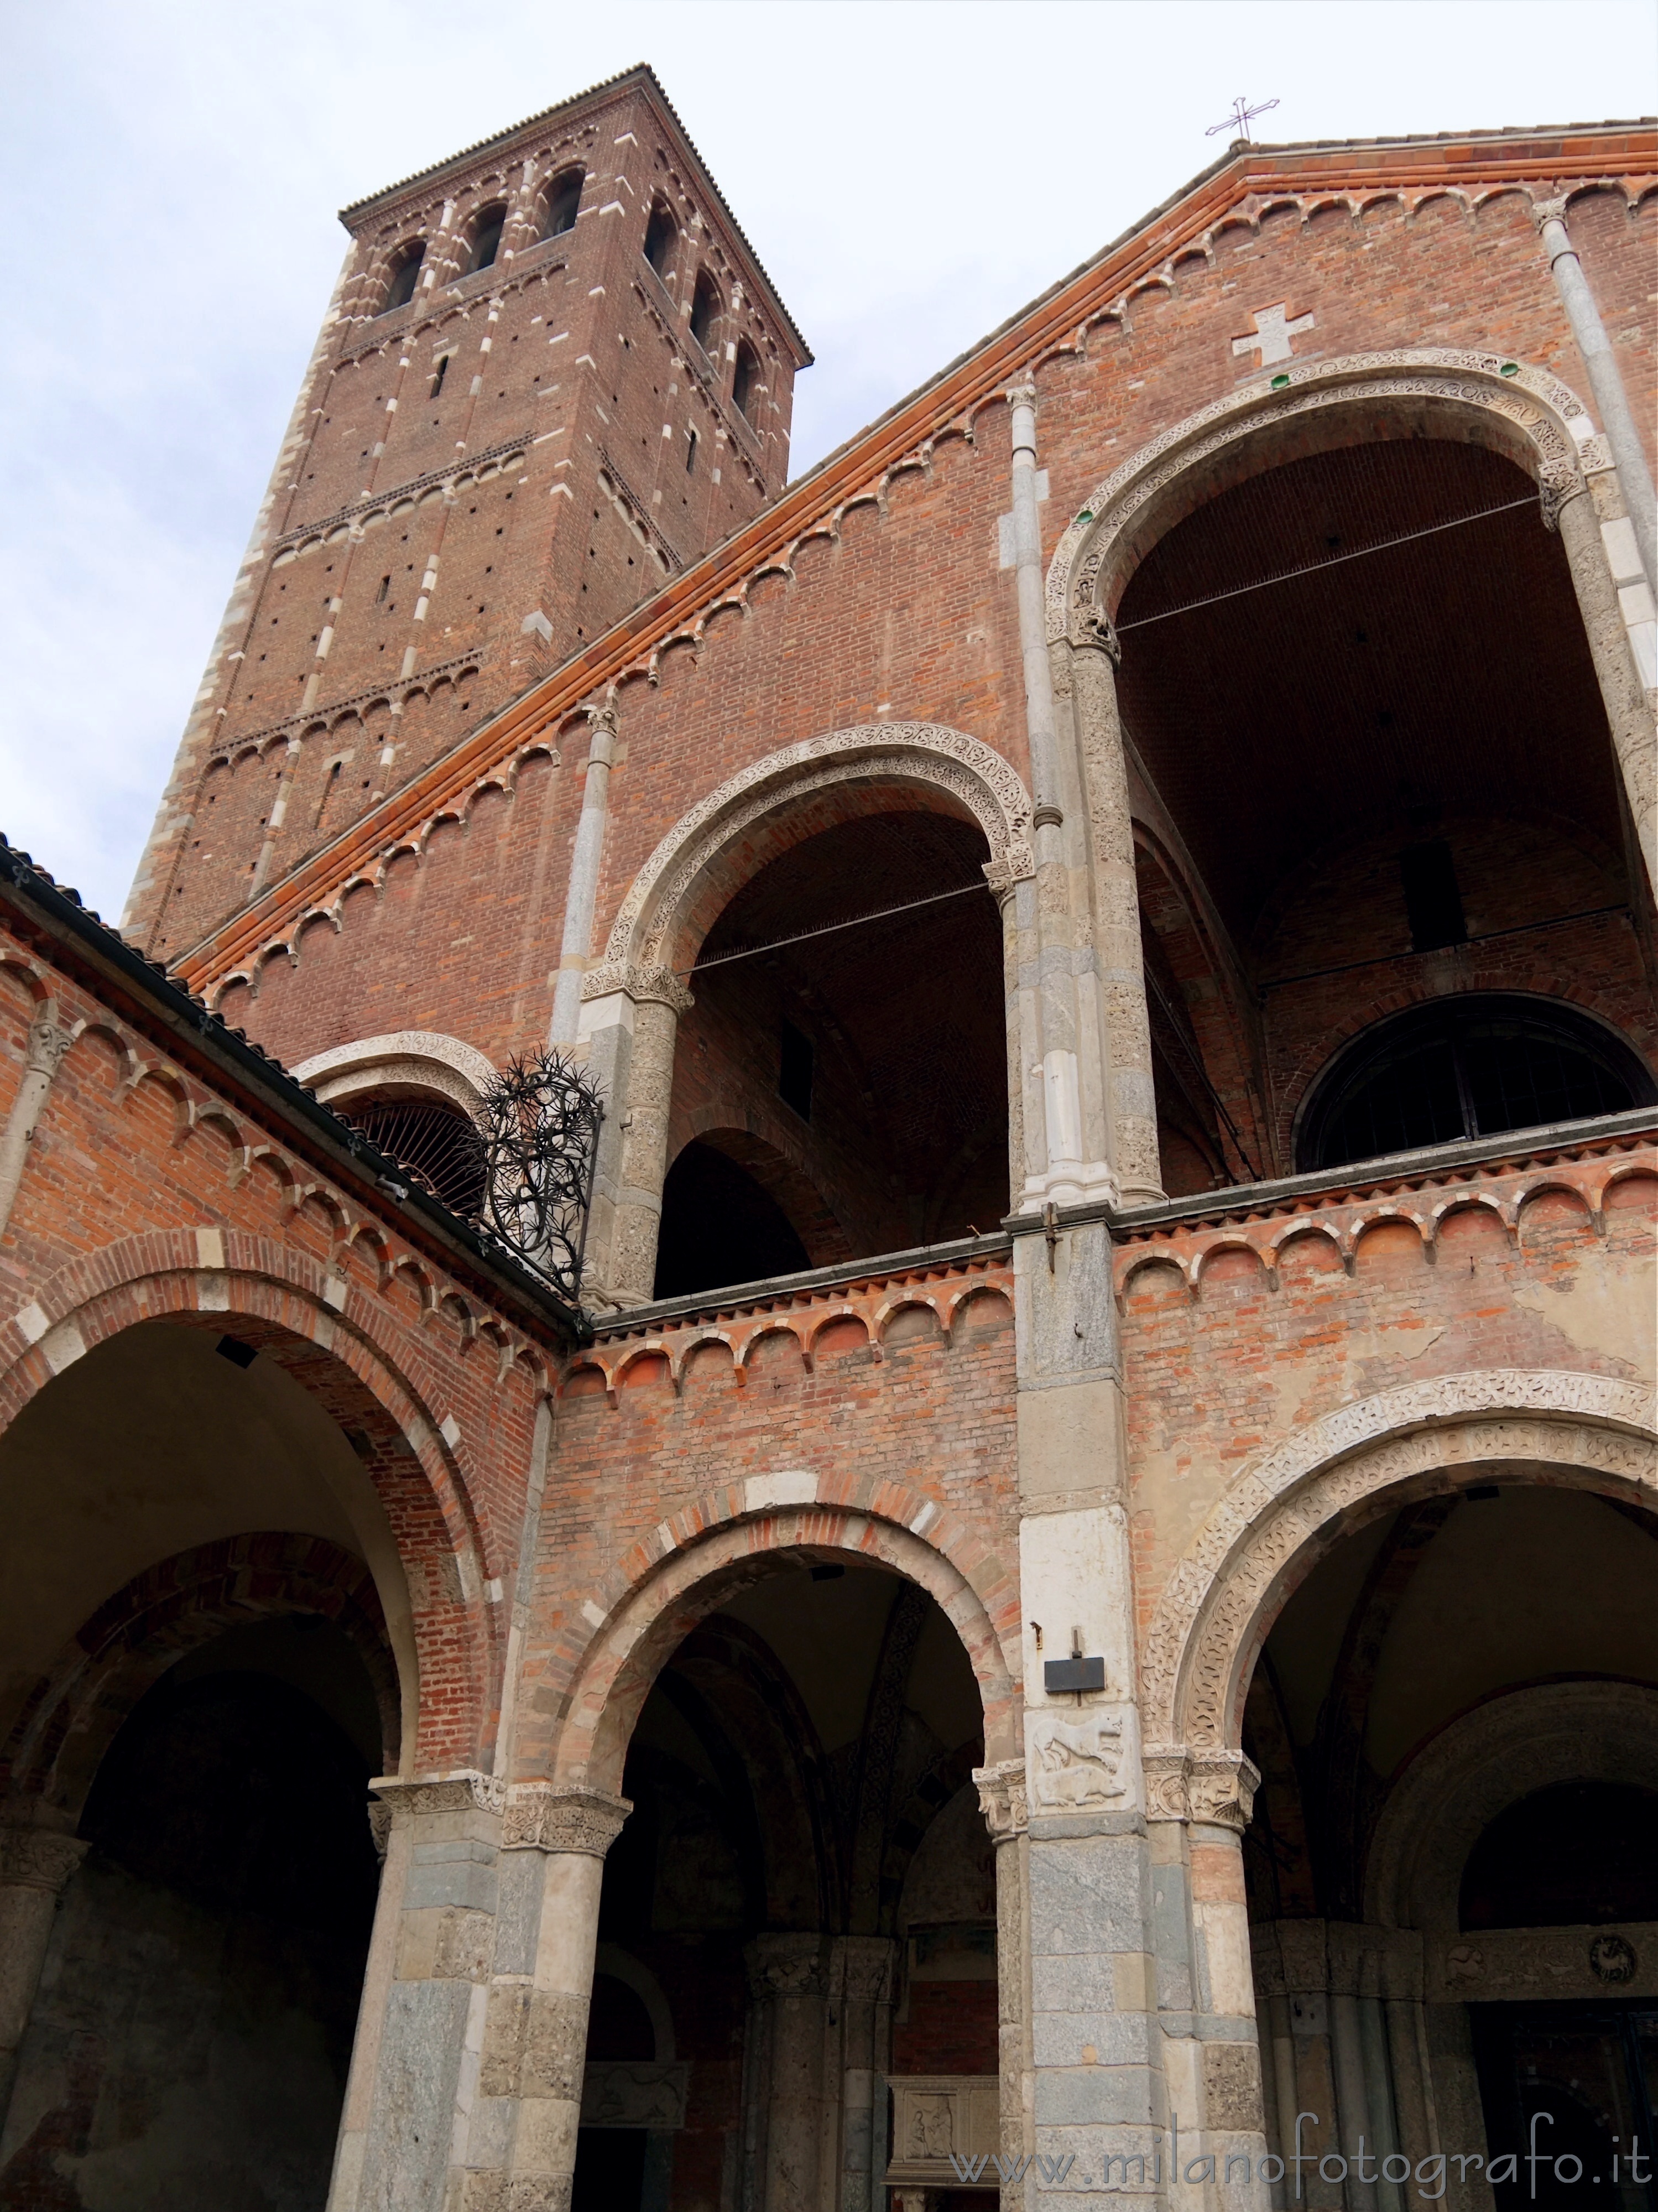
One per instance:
(1273,334)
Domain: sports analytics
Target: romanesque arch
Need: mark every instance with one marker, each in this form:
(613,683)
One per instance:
(691,1565)
(697,856)
(428,1553)
(1278,1517)
(1523,410)
(422,1063)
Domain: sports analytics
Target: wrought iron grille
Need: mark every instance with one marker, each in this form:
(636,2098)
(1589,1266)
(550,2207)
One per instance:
(540,1123)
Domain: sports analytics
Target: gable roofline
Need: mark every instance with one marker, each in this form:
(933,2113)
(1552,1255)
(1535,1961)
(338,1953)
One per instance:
(641,77)
(1575,155)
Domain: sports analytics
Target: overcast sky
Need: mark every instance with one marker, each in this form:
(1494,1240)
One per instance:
(909,171)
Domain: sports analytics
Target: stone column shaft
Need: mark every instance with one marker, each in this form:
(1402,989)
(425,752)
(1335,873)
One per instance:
(1629,707)
(1094,654)
(535,2037)
(581,896)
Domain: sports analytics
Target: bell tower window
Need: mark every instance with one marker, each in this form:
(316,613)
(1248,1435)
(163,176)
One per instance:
(705,308)
(563,202)
(744,379)
(486,239)
(660,232)
(405,275)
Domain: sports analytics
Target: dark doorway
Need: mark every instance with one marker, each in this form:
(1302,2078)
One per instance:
(1578,2082)
(190,2043)
(719,1226)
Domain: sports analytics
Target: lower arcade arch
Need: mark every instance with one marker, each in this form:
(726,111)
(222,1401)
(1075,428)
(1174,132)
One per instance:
(1440,1654)
(191,1706)
(802,1901)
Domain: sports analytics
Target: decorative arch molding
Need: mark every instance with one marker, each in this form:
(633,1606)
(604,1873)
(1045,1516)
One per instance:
(692,1563)
(318,1326)
(1528,415)
(421,1060)
(926,754)
(58,1741)
(1482,1763)
(1281,1514)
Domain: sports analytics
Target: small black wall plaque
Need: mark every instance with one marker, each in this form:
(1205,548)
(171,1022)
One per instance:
(1077,1673)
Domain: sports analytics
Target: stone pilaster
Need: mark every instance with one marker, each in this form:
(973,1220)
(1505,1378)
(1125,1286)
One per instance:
(791,2099)
(35,1866)
(861,1977)
(1002,1799)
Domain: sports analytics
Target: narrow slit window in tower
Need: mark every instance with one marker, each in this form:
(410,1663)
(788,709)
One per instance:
(1433,900)
(659,235)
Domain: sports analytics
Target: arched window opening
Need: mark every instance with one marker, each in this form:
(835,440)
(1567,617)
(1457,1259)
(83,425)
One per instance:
(1476,1065)
(563,202)
(705,308)
(1576,1855)
(436,1142)
(745,378)
(1361,692)
(486,239)
(660,231)
(405,275)
(721,1225)
(857,1075)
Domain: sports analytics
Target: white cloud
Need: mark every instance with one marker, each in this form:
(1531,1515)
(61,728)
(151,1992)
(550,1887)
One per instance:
(909,171)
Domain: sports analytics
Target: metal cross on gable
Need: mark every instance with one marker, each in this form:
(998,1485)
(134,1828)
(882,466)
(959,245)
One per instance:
(1241,116)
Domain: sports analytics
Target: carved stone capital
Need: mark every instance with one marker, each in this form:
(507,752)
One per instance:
(1002,1799)
(1551,210)
(1165,1782)
(1558,481)
(543,1818)
(465,1791)
(644,986)
(1022,394)
(48,1041)
(863,1967)
(37,1858)
(787,1967)
(1217,1788)
(1093,631)
(1221,1788)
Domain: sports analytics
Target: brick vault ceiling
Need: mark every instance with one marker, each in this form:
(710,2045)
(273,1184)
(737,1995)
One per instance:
(1448,674)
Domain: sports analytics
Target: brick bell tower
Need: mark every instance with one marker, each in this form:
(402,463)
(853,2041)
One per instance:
(552,375)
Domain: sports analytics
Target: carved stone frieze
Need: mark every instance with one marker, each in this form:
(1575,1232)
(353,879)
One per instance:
(465,1791)
(1077,1763)
(37,1858)
(1201,1631)
(543,1818)
(986,783)
(1165,1766)
(644,986)
(1002,1799)
(1538,403)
